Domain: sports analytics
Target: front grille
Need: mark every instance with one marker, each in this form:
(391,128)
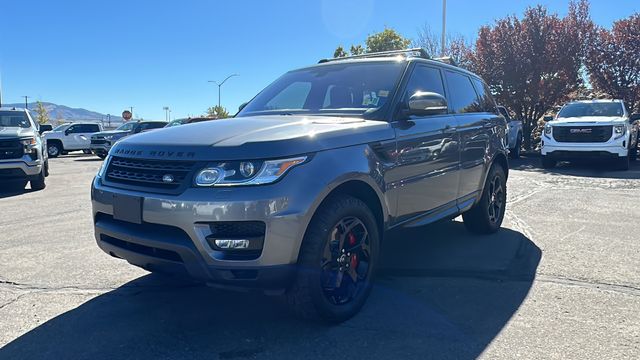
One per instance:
(11,149)
(150,174)
(98,141)
(582,134)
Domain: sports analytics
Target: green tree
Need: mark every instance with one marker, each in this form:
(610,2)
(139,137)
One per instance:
(386,40)
(218,112)
(42,116)
(339,52)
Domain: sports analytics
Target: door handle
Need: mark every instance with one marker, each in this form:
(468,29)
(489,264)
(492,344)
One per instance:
(449,129)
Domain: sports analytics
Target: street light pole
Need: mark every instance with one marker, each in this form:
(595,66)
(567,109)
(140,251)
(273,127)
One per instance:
(166,113)
(26,98)
(220,85)
(444,27)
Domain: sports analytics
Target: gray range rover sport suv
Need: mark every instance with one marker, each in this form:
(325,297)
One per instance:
(294,194)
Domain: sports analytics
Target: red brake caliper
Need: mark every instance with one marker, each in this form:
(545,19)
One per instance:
(354,257)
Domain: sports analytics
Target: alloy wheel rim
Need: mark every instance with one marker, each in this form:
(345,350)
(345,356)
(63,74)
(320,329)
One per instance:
(53,150)
(496,199)
(345,263)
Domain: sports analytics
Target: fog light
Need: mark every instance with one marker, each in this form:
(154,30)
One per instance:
(232,244)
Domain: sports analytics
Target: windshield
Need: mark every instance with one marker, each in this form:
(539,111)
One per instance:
(591,109)
(339,89)
(175,123)
(13,119)
(125,127)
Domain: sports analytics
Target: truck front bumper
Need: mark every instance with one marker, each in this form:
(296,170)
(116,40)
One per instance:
(610,149)
(20,169)
(174,232)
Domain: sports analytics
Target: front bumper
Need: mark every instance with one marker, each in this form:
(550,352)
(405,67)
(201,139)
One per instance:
(612,148)
(22,168)
(173,232)
(100,149)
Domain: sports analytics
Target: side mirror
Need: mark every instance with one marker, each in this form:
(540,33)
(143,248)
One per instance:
(424,103)
(137,130)
(67,132)
(634,117)
(242,106)
(547,118)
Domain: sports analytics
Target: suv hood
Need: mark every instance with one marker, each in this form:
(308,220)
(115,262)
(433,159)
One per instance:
(15,132)
(254,137)
(589,120)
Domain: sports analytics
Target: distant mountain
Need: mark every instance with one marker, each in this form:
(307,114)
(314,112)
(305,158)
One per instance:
(62,112)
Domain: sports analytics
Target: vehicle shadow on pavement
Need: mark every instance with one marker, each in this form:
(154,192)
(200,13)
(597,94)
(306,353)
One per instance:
(12,191)
(442,293)
(583,168)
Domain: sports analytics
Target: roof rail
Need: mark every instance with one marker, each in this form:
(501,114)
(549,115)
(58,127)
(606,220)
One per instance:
(415,52)
(447,60)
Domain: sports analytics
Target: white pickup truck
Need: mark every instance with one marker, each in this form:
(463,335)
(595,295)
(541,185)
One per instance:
(591,129)
(71,137)
(514,135)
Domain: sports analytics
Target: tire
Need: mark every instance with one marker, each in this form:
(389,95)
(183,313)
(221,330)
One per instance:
(39,182)
(54,149)
(633,154)
(343,295)
(101,156)
(623,163)
(547,162)
(86,151)
(486,216)
(515,153)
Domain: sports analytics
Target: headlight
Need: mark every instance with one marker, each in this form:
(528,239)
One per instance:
(103,167)
(237,173)
(619,131)
(547,130)
(31,141)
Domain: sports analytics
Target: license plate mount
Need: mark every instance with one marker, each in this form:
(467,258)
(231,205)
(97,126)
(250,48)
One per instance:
(127,208)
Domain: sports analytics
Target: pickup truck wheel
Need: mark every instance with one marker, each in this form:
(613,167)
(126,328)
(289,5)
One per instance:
(336,261)
(515,153)
(101,156)
(86,151)
(54,149)
(623,163)
(39,182)
(486,216)
(633,154)
(548,163)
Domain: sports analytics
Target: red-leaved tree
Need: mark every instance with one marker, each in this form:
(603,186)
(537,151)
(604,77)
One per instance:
(533,63)
(613,61)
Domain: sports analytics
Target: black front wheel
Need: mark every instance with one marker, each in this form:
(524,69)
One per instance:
(486,216)
(336,261)
(515,153)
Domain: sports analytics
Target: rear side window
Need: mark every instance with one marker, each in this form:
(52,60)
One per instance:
(147,126)
(92,128)
(462,95)
(424,78)
(486,100)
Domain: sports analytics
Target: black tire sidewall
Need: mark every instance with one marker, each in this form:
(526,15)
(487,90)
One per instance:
(57,146)
(495,171)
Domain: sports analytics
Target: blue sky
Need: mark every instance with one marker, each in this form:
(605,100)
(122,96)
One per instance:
(108,55)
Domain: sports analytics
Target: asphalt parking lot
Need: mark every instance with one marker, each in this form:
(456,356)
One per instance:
(561,280)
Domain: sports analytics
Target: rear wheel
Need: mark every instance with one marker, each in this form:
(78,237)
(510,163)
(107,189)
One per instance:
(547,162)
(86,151)
(336,261)
(486,216)
(101,156)
(633,154)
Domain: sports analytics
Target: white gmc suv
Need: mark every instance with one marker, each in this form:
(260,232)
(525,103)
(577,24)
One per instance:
(591,129)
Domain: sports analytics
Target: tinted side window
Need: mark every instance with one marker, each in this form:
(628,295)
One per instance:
(73,129)
(424,78)
(463,96)
(92,128)
(486,100)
